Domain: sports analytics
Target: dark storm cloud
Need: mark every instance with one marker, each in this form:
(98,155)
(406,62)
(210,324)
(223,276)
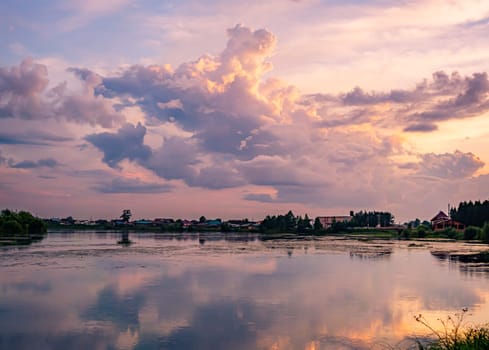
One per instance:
(127,143)
(120,185)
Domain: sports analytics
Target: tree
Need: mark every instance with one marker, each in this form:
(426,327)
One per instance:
(471,232)
(317,225)
(22,223)
(484,234)
(202,219)
(126,215)
(11,228)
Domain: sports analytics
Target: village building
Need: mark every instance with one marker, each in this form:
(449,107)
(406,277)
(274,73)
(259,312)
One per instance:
(328,221)
(442,221)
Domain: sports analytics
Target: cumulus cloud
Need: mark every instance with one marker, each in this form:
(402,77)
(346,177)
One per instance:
(21,89)
(450,165)
(242,129)
(232,126)
(24,94)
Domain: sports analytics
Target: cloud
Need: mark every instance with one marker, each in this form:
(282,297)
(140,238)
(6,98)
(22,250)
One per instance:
(221,122)
(450,165)
(21,88)
(3,160)
(41,163)
(237,128)
(24,94)
(31,137)
(121,185)
(127,143)
(85,11)
(420,128)
(259,197)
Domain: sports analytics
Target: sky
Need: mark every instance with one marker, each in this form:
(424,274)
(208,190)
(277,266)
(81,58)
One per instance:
(243,109)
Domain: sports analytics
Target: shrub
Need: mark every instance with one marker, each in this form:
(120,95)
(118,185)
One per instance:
(471,232)
(406,233)
(484,233)
(11,227)
(421,232)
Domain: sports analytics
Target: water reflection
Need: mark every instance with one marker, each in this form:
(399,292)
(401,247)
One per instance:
(82,291)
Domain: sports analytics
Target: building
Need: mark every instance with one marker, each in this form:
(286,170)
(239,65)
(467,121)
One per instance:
(442,221)
(328,221)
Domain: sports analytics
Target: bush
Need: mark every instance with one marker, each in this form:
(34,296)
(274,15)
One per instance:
(484,233)
(11,228)
(406,233)
(421,232)
(471,232)
(21,223)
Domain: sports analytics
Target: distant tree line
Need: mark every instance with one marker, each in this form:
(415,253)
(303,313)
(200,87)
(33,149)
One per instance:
(471,213)
(20,223)
(371,219)
(288,223)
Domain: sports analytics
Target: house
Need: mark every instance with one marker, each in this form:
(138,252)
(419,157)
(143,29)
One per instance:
(163,221)
(214,222)
(328,221)
(442,221)
(143,222)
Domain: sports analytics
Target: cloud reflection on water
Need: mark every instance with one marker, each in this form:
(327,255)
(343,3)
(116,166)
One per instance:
(178,294)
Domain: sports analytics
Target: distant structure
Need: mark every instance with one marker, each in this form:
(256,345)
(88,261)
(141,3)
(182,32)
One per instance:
(442,221)
(328,221)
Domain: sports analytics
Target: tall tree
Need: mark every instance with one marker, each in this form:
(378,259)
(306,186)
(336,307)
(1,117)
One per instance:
(126,215)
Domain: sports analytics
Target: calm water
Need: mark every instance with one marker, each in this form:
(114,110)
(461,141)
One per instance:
(84,291)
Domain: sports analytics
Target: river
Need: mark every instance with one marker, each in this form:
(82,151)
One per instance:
(83,290)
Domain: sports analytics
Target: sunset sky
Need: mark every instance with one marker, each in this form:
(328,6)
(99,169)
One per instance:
(238,109)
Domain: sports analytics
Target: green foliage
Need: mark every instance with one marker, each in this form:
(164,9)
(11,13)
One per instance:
(406,234)
(471,213)
(450,233)
(372,219)
(484,233)
(288,223)
(21,223)
(317,225)
(126,215)
(11,228)
(337,227)
(421,231)
(471,232)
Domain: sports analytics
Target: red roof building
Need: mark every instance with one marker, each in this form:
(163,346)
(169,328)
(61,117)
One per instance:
(442,221)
